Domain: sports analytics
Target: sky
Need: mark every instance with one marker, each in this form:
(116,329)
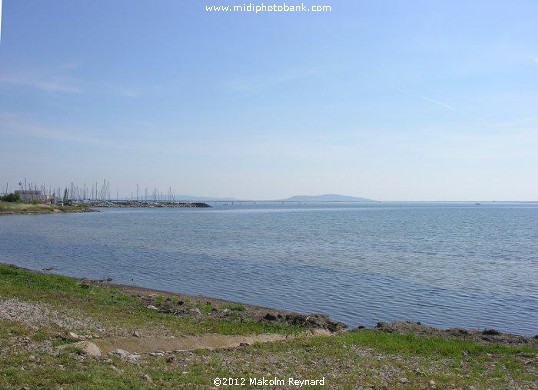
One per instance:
(388,100)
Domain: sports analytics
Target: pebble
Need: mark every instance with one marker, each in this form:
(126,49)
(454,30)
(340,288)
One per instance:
(88,348)
(126,355)
(404,380)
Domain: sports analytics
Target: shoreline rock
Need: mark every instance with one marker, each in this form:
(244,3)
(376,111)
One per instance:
(183,305)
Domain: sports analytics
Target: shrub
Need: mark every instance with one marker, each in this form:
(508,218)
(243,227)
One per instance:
(11,197)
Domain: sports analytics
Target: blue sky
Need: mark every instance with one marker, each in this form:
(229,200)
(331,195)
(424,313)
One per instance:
(390,100)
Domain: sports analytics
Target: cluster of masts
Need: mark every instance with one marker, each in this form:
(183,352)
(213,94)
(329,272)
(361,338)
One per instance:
(95,192)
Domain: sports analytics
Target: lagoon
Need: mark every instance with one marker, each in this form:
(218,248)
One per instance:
(444,264)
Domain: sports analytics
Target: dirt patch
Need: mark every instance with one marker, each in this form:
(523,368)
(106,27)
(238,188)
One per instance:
(186,343)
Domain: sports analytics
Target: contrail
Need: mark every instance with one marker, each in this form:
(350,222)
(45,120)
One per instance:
(437,102)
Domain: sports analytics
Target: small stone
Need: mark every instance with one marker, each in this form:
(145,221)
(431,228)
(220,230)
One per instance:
(147,378)
(88,348)
(269,317)
(170,359)
(404,380)
(195,311)
(244,344)
(31,358)
(136,334)
(156,354)
(121,352)
(432,383)
(73,336)
(152,307)
(126,355)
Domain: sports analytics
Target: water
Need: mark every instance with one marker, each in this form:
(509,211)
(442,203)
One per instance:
(444,264)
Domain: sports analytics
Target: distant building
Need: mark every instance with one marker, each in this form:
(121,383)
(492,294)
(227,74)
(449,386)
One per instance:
(31,196)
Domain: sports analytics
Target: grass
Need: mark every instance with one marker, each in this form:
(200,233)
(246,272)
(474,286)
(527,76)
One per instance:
(114,309)
(365,358)
(235,307)
(38,208)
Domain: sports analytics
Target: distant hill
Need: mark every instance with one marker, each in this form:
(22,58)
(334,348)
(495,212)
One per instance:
(326,198)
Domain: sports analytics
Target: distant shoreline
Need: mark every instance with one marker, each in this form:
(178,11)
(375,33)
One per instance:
(14,208)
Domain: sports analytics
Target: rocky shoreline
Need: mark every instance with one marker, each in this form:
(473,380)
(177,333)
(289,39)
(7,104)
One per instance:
(64,332)
(176,304)
(148,204)
(7,208)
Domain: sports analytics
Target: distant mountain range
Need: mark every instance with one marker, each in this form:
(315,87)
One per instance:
(297,198)
(326,198)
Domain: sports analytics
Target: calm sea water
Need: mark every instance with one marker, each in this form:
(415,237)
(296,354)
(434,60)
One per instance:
(444,264)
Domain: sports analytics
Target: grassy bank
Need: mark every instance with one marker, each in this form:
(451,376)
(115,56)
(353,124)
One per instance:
(44,317)
(30,208)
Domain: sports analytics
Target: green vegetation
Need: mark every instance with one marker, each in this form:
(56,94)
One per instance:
(113,308)
(235,307)
(39,208)
(12,197)
(29,356)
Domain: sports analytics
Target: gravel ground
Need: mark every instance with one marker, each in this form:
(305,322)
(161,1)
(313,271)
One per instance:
(36,315)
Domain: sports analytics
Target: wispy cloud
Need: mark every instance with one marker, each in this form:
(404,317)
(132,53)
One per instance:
(11,123)
(15,125)
(125,92)
(53,85)
(258,83)
(69,65)
(437,102)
